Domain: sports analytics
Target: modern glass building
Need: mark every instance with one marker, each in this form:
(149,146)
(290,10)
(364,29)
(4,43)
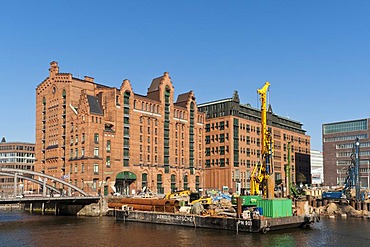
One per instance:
(17,155)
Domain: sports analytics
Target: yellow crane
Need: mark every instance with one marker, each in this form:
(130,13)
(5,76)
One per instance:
(262,178)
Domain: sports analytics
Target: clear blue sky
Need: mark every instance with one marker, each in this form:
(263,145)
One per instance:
(315,54)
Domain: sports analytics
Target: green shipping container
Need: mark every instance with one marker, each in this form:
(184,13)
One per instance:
(275,208)
(247,200)
(250,200)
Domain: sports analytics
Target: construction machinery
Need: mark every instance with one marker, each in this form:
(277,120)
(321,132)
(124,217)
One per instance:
(294,191)
(351,187)
(183,195)
(262,179)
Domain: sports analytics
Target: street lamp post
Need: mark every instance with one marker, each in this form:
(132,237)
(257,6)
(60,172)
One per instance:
(357,175)
(368,186)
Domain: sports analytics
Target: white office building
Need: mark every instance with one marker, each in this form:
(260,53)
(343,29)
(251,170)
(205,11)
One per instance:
(317,168)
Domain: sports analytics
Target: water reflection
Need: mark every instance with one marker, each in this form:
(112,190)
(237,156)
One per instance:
(22,229)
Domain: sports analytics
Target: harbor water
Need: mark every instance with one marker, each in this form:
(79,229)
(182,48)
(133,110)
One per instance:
(19,228)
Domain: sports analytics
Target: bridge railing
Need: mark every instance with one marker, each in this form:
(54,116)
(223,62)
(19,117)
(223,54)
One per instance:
(18,173)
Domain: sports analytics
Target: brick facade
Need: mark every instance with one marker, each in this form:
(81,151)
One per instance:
(106,139)
(338,147)
(233,144)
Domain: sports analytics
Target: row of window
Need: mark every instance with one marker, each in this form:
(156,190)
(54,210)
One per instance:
(247,139)
(17,160)
(18,147)
(16,155)
(351,126)
(219,125)
(96,149)
(345,138)
(146,107)
(148,132)
(81,168)
(348,154)
(352,145)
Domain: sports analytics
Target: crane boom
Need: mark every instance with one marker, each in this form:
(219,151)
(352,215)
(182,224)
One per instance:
(261,181)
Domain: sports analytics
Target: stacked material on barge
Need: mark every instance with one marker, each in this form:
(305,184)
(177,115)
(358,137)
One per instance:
(146,204)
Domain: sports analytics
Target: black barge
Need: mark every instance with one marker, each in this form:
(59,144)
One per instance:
(261,224)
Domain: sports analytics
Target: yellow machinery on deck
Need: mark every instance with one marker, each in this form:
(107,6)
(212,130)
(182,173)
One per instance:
(262,179)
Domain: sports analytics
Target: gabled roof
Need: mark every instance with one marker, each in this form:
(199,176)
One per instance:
(155,84)
(182,99)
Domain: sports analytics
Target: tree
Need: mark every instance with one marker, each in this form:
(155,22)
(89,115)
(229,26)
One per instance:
(301,178)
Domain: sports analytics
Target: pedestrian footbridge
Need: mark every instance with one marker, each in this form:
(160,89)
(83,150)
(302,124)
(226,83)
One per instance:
(49,194)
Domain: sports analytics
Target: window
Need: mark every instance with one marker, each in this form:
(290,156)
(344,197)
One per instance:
(93,186)
(108,146)
(82,152)
(76,169)
(160,189)
(186,182)
(96,151)
(107,162)
(76,152)
(83,138)
(96,138)
(144,180)
(96,168)
(82,168)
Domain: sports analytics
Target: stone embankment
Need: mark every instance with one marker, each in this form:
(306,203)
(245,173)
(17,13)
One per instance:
(341,210)
(95,209)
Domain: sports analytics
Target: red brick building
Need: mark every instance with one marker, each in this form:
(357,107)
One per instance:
(233,144)
(339,140)
(106,139)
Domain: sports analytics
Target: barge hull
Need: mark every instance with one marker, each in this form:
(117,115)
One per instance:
(214,222)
